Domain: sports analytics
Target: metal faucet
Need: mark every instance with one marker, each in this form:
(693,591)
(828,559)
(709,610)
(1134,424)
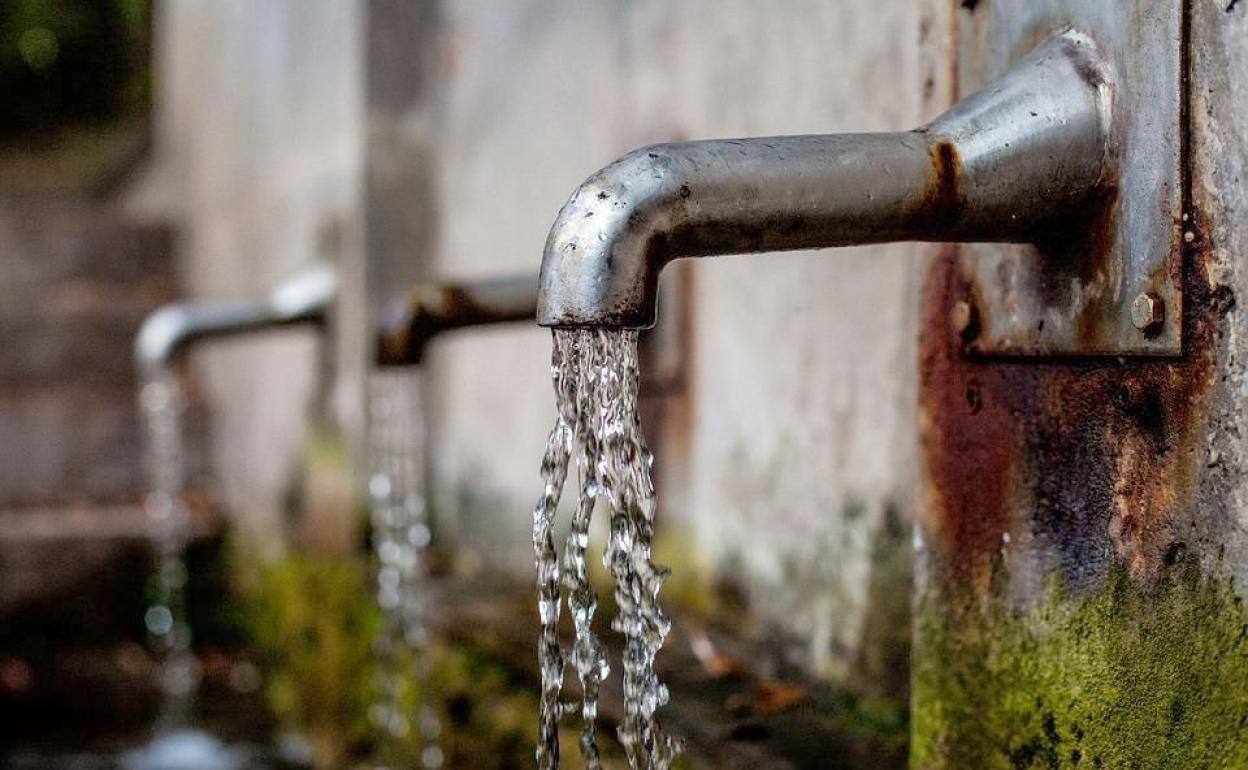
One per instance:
(1015,163)
(431,308)
(305,298)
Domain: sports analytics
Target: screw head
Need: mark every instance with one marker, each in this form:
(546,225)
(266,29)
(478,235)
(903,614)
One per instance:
(1148,312)
(964,318)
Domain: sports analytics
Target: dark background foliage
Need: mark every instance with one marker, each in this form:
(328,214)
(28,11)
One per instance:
(71,63)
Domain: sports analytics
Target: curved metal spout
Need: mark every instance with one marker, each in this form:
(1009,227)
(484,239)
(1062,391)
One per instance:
(431,308)
(303,299)
(1002,166)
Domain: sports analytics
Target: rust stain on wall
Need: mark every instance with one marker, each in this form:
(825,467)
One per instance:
(1097,459)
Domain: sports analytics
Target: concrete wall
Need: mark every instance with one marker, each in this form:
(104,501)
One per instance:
(784,386)
(792,432)
(260,137)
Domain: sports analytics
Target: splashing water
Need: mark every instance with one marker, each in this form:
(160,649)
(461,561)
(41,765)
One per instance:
(161,403)
(596,385)
(401,536)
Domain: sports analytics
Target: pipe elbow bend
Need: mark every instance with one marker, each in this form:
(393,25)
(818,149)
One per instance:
(611,239)
(163,333)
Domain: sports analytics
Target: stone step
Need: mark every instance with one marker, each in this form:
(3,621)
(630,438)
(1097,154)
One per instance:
(78,444)
(70,444)
(77,278)
(46,244)
(49,349)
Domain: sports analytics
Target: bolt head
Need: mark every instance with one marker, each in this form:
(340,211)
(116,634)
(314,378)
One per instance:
(1148,312)
(964,318)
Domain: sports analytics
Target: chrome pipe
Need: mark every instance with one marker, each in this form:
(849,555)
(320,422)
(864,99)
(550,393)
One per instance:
(1008,164)
(432,308)
(303,299)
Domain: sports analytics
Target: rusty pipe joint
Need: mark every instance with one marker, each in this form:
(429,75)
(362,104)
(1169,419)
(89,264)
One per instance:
(432,308)
(1005,165)
(305,298)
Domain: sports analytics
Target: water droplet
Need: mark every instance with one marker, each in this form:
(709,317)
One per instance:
(379,486)
(419,536)
(396,486)
(159,620)
(431,757)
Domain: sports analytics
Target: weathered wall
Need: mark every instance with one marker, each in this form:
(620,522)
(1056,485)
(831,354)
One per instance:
(77,278)
(259,137)
(782,391)
(1082,546)
(788,433)
(1082,550)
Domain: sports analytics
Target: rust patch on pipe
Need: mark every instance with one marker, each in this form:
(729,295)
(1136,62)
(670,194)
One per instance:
(407,327)
(943,203)
(948,167)
(1097,460)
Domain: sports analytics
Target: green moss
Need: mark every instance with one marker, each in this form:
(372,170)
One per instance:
(313,623)
(883,664)
(875,724)
(1119,678)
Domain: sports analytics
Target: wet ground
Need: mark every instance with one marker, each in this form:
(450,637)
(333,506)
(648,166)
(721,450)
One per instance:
(739,700)
(94,709)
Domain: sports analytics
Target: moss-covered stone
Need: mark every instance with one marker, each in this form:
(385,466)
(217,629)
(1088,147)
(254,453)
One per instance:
(1122,677)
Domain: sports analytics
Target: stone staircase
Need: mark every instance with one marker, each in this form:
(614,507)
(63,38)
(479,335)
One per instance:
(77,278)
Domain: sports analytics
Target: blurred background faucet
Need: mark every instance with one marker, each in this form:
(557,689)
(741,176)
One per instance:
(305,298)
(430,308)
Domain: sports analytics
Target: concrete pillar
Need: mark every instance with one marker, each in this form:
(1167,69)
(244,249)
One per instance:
(1082,552)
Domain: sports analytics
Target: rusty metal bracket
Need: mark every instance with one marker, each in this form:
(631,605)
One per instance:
(1110,283)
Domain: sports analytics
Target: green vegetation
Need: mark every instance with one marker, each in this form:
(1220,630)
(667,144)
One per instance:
(313,620)
(1120,678)
(313,623)
(75,80)
(66,63)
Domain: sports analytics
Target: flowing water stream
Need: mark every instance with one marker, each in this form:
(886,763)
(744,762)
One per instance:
(596,388)
(175,743)
(161,403)
(401,536)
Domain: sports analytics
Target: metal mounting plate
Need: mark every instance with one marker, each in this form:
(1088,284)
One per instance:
(1075,297)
